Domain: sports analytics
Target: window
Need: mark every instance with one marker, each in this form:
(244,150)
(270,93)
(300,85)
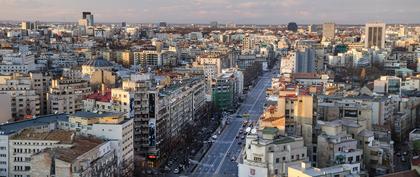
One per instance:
(293,157)
(276,171)
(277,160)
(258,159)
(284,158)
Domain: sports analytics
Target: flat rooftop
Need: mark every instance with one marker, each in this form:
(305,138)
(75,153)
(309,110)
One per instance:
(56,135)
(10,128)
(81,145)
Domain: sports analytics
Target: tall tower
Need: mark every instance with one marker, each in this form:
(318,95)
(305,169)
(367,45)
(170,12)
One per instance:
(328,31)
(375,35)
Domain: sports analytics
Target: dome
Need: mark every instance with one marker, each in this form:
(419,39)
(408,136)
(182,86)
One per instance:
(98,62)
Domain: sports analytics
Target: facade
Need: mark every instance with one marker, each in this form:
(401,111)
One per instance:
(336,147)
(110,126)
(388,85)
(147,58)
(306,170)
(271,153)
(328,31)
(65,95)
(23,98)
(86,158)
(224,92)
(28,142)
(375,35)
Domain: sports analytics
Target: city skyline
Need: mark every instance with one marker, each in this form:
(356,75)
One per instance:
(204,11)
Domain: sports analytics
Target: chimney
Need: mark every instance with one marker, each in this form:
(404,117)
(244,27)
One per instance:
(103,89)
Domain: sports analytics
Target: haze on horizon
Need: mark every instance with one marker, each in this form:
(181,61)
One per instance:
(223,11)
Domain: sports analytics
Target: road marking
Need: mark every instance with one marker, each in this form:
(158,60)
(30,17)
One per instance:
(224,157)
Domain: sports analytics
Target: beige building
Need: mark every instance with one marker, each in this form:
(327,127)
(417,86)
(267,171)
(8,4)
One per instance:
(87,157)
(22,97)
(147,58)
(110,126)
(336,147)
(66,95)
(328,31)
(24,144)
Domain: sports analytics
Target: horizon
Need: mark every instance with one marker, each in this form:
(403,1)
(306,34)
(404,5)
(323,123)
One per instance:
(223,11)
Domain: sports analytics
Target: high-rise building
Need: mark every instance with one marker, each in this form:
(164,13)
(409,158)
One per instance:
(214,24)
(26,25)
(87,19)
(328,31)
(292,26)
(304,60)
(375,35)
(312,28)
(162,24)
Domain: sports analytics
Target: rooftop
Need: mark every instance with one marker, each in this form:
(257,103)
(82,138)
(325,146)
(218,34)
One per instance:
(90,115)
(81,145)
(408,173)
(56,135)
(98,96)
(98,62)
(10,128)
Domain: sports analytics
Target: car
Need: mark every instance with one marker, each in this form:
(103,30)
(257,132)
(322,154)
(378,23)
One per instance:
(232,158)
(239,142)
(237,136)
(398,154)
(214,137)
(403,159)
(242,137)
(176,171)
(405,153)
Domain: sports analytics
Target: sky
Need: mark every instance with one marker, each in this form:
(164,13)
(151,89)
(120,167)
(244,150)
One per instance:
(223,11)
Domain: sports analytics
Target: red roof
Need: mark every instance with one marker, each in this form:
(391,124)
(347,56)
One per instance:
(98,96)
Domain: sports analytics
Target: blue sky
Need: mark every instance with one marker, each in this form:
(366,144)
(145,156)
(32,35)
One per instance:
(224,11)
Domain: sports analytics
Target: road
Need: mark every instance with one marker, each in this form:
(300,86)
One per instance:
(217,161)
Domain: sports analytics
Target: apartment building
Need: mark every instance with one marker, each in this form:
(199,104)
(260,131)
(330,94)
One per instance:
(65,95)
(335,146)
(110,126)
(267,153)
(88,157)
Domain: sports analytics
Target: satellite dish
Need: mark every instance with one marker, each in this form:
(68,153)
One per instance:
(248,129)
(254,131)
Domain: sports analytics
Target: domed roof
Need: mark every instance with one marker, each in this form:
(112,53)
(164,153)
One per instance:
(98,62)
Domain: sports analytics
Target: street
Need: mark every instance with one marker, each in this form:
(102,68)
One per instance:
(217,160)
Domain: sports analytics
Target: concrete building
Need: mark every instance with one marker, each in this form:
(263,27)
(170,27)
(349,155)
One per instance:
(328,31)
(387,85)
(268,154)
(226,90)
(86,157)
(65,95)
(306,170)
(335,146)
(8,130)
(375,35)
(28,142)
(110,126)
(147,58)
(21,97)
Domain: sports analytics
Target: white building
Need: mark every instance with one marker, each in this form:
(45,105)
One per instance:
(268,154)
(109,126)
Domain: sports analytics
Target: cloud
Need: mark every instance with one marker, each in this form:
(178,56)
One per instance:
(201,11)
